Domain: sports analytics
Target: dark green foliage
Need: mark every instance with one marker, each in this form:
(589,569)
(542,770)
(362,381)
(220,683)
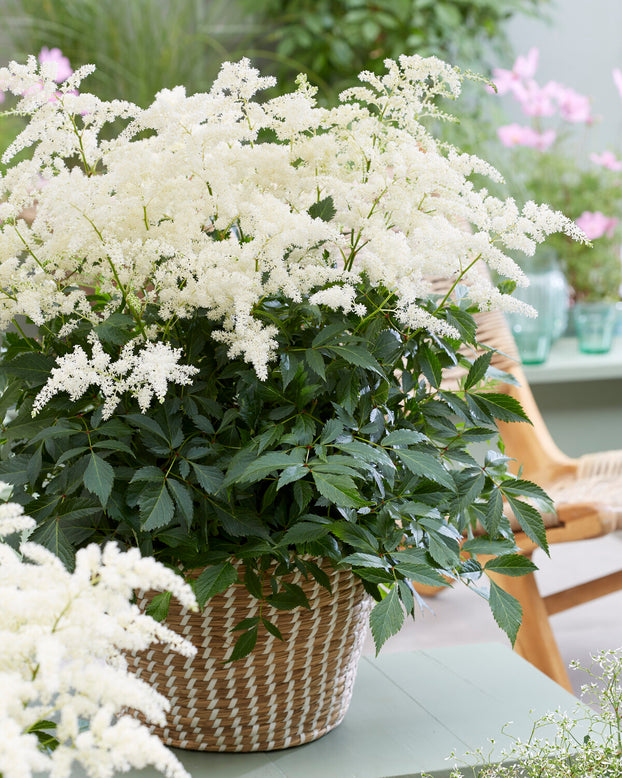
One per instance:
(348,451)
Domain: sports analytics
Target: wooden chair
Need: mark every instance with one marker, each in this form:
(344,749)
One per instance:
(587,493)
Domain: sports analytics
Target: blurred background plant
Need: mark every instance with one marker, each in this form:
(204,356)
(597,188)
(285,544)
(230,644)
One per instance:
(142,46)
(550,163)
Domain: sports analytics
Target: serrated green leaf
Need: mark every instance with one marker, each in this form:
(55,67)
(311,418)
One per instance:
(315,361)
(356,536)
(403,438)
(264,465)
(210,478)
(183,500)
(243,645)
(33,367)
(114,329)
(292,597)
(156,507)
(148,473)
(327,334)
(530,521)
(386,619)
(510,564)
(484,545)
(159,605)
(430,366)
(50,535)
(112,445)
(499,406)
(478,369)
(374,574)
(521,488)
(358,356)
(291,474)
(338,489)
(99,477)
(147,424)
(15,470)
(214,580)
(360,559)
(304,532)
(425,465)
(272,628)
(252,621)
(406,596)
(422,573)
(506,610)
(323,209)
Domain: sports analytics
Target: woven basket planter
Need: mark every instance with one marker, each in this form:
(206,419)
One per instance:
(284,693)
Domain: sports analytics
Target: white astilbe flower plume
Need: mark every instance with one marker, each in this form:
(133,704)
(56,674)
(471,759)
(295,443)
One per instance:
(143,375)
(215,205)
(63,636)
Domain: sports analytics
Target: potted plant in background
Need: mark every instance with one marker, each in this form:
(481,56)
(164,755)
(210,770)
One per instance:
(550,167)
(237,368)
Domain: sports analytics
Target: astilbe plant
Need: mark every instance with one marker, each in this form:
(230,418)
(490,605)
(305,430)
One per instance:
(239,349)
(65,686)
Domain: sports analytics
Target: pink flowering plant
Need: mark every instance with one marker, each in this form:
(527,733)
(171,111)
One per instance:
(237,346)
(548,163)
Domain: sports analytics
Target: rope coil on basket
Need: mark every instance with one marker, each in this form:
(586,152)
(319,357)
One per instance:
(282,694)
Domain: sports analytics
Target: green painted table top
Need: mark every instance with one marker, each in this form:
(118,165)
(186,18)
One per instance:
(409,712)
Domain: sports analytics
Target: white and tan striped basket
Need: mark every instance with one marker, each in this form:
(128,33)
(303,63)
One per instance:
(284,693)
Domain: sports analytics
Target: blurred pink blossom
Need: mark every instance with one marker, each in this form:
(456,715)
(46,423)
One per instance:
(617,79)
(534,99)
(595,224)
(573,107)
(607,159)
(56,56)
(518,135)
(523,68)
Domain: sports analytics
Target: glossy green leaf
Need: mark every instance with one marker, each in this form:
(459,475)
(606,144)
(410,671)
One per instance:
(99,477)
(243,645)
(386,618)
(510,564)
(506,610)
(427,466)
(156,507)
(214,580)
(210,478)
(159,605)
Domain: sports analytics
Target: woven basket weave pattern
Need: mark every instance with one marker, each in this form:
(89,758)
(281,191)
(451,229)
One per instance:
(282,694)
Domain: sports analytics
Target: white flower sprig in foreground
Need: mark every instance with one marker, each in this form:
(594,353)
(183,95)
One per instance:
(62,638)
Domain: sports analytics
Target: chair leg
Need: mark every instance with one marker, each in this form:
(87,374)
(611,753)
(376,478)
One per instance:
(536,642)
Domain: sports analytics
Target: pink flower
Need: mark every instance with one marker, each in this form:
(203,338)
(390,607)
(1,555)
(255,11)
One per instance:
(56,56)
(525,67)
(607,159)
(617,79)
(595,224)
(573,107)
(509,80)
(534,99)
(518,135)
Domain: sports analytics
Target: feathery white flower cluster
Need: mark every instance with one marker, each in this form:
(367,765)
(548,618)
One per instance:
(62,638)
(143,375)
(204,204)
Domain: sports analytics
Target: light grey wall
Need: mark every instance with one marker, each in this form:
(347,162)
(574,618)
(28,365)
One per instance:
(579,47)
